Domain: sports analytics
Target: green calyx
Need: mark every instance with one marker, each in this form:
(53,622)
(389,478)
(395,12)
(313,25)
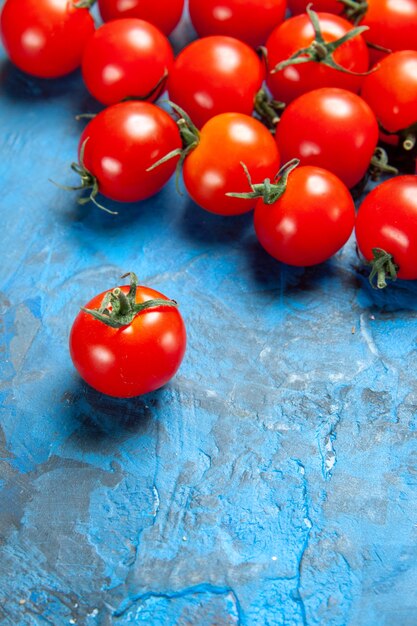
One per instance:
(88,181)
(383,268)
(407,136)
(380,165)
(119,309)
(269,192)
(354,10)
(190,138)
(268,110)
(320,51)
(84,4)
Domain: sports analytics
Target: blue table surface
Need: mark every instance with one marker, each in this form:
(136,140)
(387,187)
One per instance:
(271,482)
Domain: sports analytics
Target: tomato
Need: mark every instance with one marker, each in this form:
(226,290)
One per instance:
(140,354)
(250,21)
(121,142)
(126,58)
(214,75)
(310,221)
(213,168)
(330,128)
(391,91)
(164,14)
(298,33)
(387,221)
(328,6)
(45,38)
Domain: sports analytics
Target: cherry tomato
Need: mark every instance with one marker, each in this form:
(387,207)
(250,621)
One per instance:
(121,142)
(136,357)
(250,21)
(213,168)
(387,221)
(297,33)
(310,221)
(45,38)
(328,6)
(126,58)
(391,91)
(214,75)
(164,14)
(330,128)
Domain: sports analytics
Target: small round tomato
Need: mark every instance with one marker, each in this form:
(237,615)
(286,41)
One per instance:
(391,91)
(215,75)
(164,14)
(214,168)
(45,38)
(311,219)
(250,21)
(120,143)
(328,6)
(297,33)
(126,58)
(128,341)
(330,128)
(387,223)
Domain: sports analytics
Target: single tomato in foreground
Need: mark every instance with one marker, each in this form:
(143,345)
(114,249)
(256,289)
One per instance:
(128,341)
(386,230)
(45,38)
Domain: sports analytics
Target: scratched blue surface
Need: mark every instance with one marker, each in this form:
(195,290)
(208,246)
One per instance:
(272,482)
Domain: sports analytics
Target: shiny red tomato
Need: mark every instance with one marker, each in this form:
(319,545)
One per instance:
(214,75)
(45,38)
(330,128)
(250,21)
(297,33)
(391,91)
(328,6)
(164,14)
(213,168)
(387,221)
(140,354)
(126,58)
(310,221)
(121,142)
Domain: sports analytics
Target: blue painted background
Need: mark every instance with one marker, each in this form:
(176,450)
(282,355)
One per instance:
(272,482)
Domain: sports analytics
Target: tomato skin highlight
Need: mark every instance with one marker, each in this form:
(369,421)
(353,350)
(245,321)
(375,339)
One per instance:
(164,14)
(45,38)
(124,140)
(214,167)
(132,360)
(387,219)
(310,222)
(391,91)
(297,33)
(126,58)
(215,75)
(330,128)
(235,18)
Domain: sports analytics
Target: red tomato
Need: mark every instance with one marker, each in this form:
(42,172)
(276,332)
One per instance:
(330,128)
(135,358)
(297,33)
(214,75)
(328,6)
(126,58)
(250,21)
(121,142)
(391,91)
(310,221)
(45,38)
(387,220)
(213,168)
(164,14)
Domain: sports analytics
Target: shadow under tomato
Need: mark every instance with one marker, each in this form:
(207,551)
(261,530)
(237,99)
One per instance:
(400,295)
(101,422)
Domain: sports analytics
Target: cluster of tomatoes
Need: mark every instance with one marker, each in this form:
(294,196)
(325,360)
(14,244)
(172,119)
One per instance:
(275,107)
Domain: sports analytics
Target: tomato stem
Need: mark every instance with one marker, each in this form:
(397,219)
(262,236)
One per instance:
(380,165)
(118,309)
(320,51)
(268,110)
(269,192)
(409,141)
(354,10)
(84,4)
(383,268)
(153,93)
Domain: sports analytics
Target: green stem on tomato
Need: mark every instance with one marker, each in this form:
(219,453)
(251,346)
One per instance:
(383,268)
(269,192)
